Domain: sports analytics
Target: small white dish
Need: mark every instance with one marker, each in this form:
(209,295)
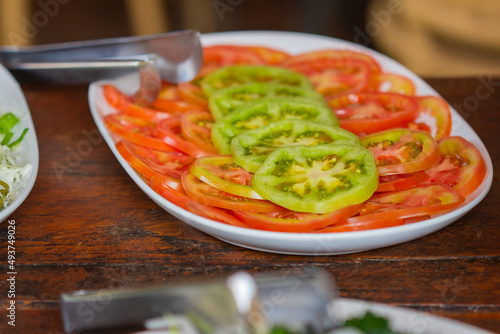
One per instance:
(12,100)
(306,243)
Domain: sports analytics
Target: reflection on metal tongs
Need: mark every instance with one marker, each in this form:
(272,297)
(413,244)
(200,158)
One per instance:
(237,305)
(139,62)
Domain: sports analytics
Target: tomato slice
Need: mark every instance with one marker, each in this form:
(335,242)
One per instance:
(131,130)
(284,220)
(401,181)
(264,111)
(169,171)
(247,74)
(333,55)
(392,83)
(225,55)
(123,103)
(251,148)
(222,173)
(337,76)
(178,197)
(433,116)
(352,226)
(224,101)
(192,94)
(169,130)
(317,179)
(365,113)
(399,151)
(196,127)
(205,194)
(428,199)
(269,55)
(217,214)
(461,166)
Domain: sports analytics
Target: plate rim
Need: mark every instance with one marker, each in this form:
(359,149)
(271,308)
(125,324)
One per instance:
(209,226)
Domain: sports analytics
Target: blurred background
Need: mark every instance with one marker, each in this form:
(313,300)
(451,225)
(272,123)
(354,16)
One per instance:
(431,37)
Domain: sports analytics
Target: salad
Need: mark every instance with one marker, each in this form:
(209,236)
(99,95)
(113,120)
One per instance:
(11,175)
(319,142)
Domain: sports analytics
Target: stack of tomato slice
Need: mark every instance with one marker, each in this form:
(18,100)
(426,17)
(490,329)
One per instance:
(421,170)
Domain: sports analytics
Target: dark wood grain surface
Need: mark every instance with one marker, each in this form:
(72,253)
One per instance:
(86,225)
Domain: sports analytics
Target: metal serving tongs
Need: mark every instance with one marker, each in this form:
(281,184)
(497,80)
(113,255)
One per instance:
(239,304)
(140,63)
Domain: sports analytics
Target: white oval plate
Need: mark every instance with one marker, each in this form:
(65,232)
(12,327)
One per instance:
(306,243)
(404,320)
(12,100)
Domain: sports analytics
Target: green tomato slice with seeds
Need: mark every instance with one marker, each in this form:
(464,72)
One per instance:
(224,101)
(317,179)
(261,112)
(245,74)
(251,148)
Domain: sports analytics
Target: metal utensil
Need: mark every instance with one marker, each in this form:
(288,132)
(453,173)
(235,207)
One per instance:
(239,304)
(142,60)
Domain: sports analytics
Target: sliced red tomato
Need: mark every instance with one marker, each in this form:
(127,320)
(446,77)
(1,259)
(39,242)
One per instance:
(331,77)
(224,55)
(365,113)
(136,131)
(399,151)
(333,55)
(352,226)
(169,172)
(428,199)
(196,126)
(169,130)
(433,116)
(123,103)
(205,194)
(223,173)
(461,166)
(269,55)
(178,197)
(284,220)
(192,93)
(392,83)
(217,214)
(401,181)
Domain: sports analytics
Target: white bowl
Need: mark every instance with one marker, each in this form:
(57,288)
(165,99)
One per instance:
(12,100)
(306,243)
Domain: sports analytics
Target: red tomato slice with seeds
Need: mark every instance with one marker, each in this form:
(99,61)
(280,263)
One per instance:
(399,151)
(178,197)
(392,83)
(196,127)
(461,166)
(169,130)
(365,113)
(224,55)
(269,55)
(401,181)
(284,220)
(205,194)
(433,116)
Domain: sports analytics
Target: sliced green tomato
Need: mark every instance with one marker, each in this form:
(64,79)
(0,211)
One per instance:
(223,173)
(224,101)
(251,148)
(317,179)
(264,111)
(245,74)
(400,151)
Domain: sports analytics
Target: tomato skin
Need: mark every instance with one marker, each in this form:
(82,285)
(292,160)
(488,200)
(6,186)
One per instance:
(419,201)
(461,166)
(433,116)
(214,213)
(205,194)
(178,197)
(169,130)
(399,151)
(351,226)
(366,113)
(284,220)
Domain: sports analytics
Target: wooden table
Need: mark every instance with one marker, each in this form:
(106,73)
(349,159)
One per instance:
(86,225)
